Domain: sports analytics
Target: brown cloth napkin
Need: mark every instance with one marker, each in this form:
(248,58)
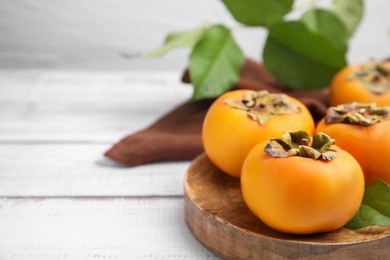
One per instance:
(177,135)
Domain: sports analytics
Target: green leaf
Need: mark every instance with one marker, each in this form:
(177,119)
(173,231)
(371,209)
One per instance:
(301,58)
(277,148)
(375,207)
(215,63)
(295,138)
(328,24)
(258,12)
(177,40)
(350,12)
(322,141)
(307,151)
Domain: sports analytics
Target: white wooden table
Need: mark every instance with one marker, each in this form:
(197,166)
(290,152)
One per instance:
(59,197)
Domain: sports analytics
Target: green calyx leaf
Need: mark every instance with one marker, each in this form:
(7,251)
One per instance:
(300,57)
(357,114)
(260,106)
(215,63)
(375,207)
(177,40)
(350,12)
(327,24)
(374,75)
(258,12)
(300,144)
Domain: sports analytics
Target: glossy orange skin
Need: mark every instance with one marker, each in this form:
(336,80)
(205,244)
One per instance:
(299,195)
(229,134)
(344,90)
(370,145)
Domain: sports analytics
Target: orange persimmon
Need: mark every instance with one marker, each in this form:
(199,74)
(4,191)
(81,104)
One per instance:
(297,188)
(363,131)
(364,83)
(240,119)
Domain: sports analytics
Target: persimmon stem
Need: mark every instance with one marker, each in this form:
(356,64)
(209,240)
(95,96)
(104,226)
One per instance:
(301,144)
(261,105)
(357,114)
(374,76)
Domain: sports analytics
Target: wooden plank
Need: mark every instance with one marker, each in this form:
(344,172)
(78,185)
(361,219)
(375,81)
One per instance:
(90,106)
(78,169)
(143,228)
(88,86)
(74,121)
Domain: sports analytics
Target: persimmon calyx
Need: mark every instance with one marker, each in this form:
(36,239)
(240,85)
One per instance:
(301,144)
(374,76)
(261,105)
(357,114)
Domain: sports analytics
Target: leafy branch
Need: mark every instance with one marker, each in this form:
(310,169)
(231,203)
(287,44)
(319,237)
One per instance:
(302,54)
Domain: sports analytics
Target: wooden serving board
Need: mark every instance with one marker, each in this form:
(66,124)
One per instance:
(217,216)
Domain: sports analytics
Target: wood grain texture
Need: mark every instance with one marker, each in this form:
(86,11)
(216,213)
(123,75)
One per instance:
(63,106)
(56,125)
(218,217)
(104,228)
(59,197)
(78,169)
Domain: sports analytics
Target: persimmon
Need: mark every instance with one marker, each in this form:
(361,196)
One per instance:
(362,130)
(364,83)
(240,119)
(300,185)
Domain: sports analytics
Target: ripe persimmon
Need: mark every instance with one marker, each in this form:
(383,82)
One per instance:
(298,186)
(240,119)
(363,131)
(364,83)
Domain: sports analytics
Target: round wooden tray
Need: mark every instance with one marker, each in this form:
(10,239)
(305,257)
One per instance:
(218,217)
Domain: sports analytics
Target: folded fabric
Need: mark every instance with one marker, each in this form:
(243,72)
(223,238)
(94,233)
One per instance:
(177,135)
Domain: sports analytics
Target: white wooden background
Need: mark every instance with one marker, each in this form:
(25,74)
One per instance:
(66,95)
(59,197)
